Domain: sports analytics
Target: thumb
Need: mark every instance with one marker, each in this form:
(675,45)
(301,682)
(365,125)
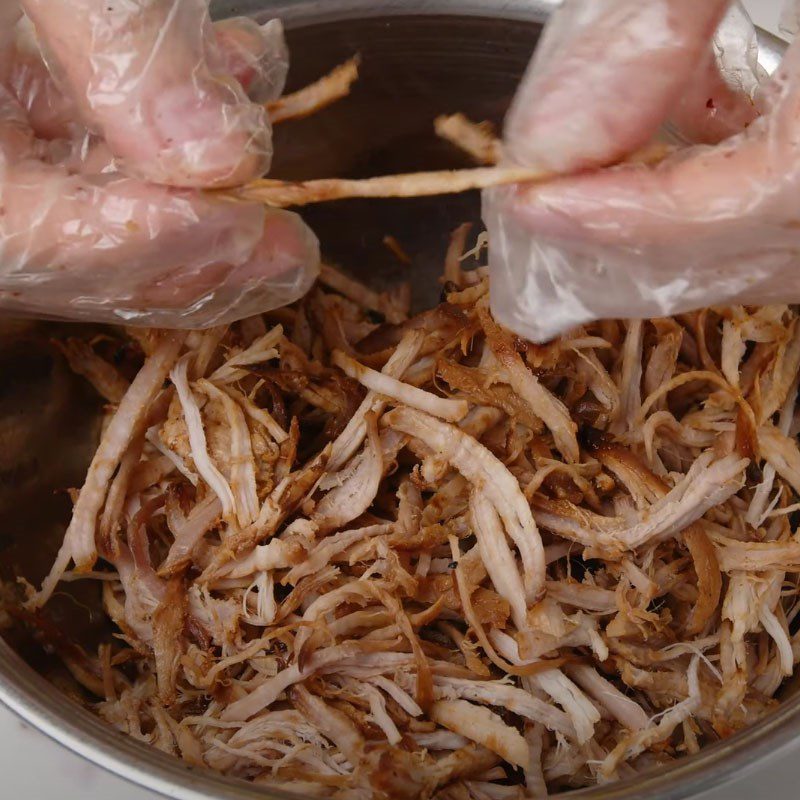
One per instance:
(605,77)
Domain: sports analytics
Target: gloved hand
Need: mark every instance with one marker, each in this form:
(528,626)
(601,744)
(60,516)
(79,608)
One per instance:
(717,223)
(136,99)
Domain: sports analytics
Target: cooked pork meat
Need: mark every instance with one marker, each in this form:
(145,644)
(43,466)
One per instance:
(428,559)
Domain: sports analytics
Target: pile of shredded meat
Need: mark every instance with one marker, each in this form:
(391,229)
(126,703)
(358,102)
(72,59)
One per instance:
(357,553)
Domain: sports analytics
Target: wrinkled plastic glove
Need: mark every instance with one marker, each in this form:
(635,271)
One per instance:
(105,109)
(716,223)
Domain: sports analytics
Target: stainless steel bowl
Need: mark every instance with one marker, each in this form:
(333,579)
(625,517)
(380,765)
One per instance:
(421,58)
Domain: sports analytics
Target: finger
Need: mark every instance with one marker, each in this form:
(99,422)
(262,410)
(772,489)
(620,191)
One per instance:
(637,244)
(51,112)
(710,110)
(149,79)
(639,207)
(631,242)
(282,268)
(255,55)
(114,249)
(701,189)
(9,14)
(17,141)
(605,77)
(726,93)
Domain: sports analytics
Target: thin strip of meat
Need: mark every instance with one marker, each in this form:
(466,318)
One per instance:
(356,291)
(321,555)
(380,383)
(626,710)
(550,409)
(734,555)
(350,439)
(201,519)
(497,556)
(315,97)
(354,496)
(487,475)
(197,438)
(266,694)
(508,697)
(258,414)
(79,545)
(331,722)
(781,453)
(111,518)
(261,350)
(707,484)
(709,579)
(630,379)
(168,624)
(482,726)
(104,377)
(284,194)
(242,465)
(455,253)
(476,139)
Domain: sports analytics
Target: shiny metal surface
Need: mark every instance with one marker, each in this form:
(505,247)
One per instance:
(421,58)
(313,12)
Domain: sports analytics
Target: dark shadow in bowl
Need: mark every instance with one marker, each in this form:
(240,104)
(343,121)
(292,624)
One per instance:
(410,74)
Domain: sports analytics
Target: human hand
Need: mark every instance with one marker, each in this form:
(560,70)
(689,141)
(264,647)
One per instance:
(140,98)
(717,223)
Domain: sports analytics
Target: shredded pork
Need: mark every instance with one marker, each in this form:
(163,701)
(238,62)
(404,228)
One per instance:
(313,98)
(384,560)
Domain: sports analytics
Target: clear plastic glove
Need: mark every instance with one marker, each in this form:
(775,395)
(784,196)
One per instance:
(140,98)
(716,223)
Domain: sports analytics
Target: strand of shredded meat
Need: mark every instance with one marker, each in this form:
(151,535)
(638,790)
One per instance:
(366,559)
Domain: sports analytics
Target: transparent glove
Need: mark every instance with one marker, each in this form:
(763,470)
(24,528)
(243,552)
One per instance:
(715,223)
(136,99)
